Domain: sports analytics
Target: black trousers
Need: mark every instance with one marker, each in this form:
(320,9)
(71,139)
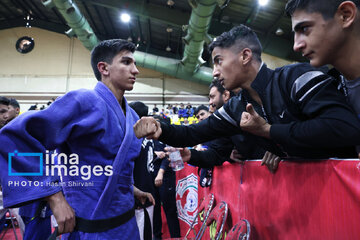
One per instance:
(165,196)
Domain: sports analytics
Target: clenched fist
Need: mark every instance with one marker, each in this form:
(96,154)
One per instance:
(147,127)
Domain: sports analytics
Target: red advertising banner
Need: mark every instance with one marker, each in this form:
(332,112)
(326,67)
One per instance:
(302,200)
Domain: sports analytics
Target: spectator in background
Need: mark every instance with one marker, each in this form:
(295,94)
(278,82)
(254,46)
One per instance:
(4,111)
(182,111)
(175,109)
(50,102)
(155,109)
(202,112)
(186,122)
(144,212)
(170,109)
(34,107)
(14,109)
(218,96)
(9,109)
(189,110)
(165,191)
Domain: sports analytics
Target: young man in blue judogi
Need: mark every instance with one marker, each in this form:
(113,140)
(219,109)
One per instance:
(92,133)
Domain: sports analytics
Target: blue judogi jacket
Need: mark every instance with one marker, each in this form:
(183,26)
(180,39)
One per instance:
(91,124)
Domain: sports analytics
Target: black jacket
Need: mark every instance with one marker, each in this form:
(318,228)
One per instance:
(220,149)
(310,117)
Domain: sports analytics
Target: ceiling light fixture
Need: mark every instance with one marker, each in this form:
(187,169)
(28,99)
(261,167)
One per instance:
(279,32)
(28,18)
(125,17)
(170,3)
(168,48)
(263,2)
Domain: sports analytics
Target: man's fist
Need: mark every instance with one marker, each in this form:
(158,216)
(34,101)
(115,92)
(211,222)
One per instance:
(147,127)
(63,213)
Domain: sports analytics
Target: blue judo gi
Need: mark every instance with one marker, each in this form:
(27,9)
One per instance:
(91,124)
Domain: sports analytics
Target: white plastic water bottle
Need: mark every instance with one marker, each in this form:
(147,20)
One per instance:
(176,162)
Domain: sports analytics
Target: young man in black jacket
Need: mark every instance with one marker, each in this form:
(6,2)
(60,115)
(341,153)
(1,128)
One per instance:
(328,32)
(301,109)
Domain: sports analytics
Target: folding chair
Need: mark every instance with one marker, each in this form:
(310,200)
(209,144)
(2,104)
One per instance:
(240,231)
(205,207)
(219,215)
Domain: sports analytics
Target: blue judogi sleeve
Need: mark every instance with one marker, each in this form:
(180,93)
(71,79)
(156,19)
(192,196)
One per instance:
(36,132)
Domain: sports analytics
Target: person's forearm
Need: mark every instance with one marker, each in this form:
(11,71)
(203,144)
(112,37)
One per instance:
(161,171)
(316,133)
(206,159)
(206,130)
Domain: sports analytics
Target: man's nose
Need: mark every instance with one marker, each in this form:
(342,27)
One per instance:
(216,72)
(135,70)
(299,44)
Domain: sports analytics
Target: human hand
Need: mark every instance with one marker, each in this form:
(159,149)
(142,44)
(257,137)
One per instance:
(185,153)
(236,156)
(253,123)
(271,161)
(159,178)
(62,211)
(200,148)
(142,196)
(147,127)
(160,154)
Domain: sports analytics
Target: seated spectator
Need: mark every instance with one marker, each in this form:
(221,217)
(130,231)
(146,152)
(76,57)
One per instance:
(175,109)
(186,122)
(182,111)
(33,107)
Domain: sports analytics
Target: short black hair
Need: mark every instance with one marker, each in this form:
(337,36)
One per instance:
(140,108)
(327,8)
(4,101)
(106,50)
(216,83)
(199,108)
(14,103)
(241,36)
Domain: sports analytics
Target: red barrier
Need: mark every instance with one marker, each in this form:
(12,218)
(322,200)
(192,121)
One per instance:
(302,200)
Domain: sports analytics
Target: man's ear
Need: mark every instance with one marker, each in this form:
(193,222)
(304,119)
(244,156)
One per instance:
(226,95)
(347,13)
(246,56)
(17,110)
(103,68)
